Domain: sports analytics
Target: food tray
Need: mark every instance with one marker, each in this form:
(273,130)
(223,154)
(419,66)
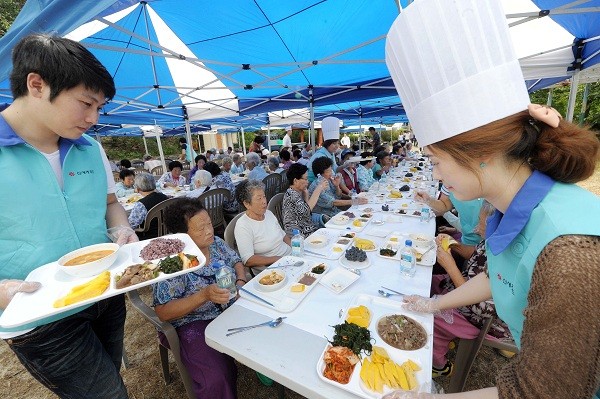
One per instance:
(283,299)
(338,279)
(27,308)
(328,251)
(380,307)
(428,260)
(349,226)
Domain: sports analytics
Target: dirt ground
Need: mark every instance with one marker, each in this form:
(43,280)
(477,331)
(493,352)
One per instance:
(143,377)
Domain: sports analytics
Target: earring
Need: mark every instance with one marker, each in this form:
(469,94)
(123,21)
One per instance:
(482,165)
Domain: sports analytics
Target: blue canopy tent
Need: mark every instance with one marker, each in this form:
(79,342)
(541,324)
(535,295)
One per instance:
(193,60)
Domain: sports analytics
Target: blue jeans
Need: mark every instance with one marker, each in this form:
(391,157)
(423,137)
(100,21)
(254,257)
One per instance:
(80,355)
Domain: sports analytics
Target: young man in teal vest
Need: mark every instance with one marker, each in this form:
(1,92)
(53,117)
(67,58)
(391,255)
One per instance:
(61,198)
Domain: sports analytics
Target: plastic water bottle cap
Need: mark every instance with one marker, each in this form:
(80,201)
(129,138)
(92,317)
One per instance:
(295,231)
(408,243)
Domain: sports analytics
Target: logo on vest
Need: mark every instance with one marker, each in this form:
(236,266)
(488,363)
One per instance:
(506,283)
(81,172)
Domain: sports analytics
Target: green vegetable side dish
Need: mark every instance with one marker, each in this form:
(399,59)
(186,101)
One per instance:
(319,269)
(352,336)
(387,252)
(171,264)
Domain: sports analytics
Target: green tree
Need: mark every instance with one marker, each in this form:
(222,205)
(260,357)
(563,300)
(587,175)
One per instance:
(9,9)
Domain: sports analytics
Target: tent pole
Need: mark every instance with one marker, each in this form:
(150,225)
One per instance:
(311,108)
(584,101)
(160,151)
(145,144)
(243,140)
(572,96)
(269,137)
(360,133)
(549,101)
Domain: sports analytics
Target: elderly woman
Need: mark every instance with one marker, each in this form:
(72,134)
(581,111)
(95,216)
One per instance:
(191,301)
(364,172)
(256,171)
(125,186)
(200,161)
(260,239)
(145,186)
(238,165)
(383,165)
(173,177)
(297,205)
(330,198)
(201,182)
(227,163)
(223,180)
(274,164)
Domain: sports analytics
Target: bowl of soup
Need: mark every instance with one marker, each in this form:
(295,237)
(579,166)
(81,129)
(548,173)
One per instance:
(89,261)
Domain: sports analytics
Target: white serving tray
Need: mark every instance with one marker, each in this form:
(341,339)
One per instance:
(428,260)
(328,250)
(380,307)
(283,299)
(26,308)
(349,226)
(338,279)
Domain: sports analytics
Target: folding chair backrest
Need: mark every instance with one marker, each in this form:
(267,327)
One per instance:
(157,170)
(285,184)
(275,206)
(154,225)
(229,235)
(272,184)
(213,200)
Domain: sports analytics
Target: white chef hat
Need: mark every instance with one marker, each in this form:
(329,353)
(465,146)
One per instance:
(454,66)
(331,128)
(288,128)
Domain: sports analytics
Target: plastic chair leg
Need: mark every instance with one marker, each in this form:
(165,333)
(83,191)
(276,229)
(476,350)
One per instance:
(164,362)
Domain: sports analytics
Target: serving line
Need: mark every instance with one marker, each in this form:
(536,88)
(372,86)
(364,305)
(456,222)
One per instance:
(290,353)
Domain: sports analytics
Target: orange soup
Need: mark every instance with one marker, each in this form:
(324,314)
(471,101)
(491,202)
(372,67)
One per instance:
(89,257)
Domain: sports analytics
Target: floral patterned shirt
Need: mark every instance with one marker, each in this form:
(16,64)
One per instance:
(477,314)
(223,180)
(187,284)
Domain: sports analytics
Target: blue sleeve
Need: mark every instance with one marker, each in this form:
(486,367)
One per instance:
(137,215)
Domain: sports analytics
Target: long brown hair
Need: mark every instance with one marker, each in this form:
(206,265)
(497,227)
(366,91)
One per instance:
(566,153)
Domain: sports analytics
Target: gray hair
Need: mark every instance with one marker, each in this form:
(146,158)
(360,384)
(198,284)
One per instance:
(203,177)
(147,157)
(253,158)
(244,190)
(236,157)
(227,160)
(144,182)
(273,163)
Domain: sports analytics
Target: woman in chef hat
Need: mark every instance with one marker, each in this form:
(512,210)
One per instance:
(457,75)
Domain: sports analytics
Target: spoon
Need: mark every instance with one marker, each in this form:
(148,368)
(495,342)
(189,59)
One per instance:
(355,271)
(386,294)
(295,264)
(272,324)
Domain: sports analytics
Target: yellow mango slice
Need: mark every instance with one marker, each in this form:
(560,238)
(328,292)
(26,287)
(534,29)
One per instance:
(403,381)
(414,366)
(91,289)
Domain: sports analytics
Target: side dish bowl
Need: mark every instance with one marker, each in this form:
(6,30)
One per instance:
(89,261)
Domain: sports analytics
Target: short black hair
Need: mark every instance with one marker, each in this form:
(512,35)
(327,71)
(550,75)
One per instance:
(125,163)
(371,128)
(366,154)
(126,172)
(320,165)
(328,143)
(213,168)
(62,63)
(182,140)
(180,212)
(199,157)
(296,171)
(297,154)
(175,164)
(395,148)
(259,139)
(378,149)
(381,155)
(285,155)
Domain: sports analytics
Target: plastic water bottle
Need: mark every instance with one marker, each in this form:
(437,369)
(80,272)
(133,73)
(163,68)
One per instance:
(297,243)
(424,214)
(353,195)
(408,260)
(225,278)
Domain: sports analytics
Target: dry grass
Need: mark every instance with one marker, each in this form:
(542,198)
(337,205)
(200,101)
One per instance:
(144,379)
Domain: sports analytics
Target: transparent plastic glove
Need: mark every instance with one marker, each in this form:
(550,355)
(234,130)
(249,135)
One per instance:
(9,288)
(408,395)
(420,304)
(122,235)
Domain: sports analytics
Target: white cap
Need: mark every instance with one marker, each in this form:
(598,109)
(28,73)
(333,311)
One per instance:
(454,66)
(288,128)
(331,128)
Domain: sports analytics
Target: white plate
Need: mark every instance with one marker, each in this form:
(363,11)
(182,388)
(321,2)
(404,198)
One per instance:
(354,265)
(26,308)
(338,279)
(327,251)
(366,250)
(378,232)
(340,219)
(283,299)
(379,307)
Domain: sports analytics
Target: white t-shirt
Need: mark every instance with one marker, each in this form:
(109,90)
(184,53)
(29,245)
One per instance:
(54,160)
(263,237)
(287,141)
